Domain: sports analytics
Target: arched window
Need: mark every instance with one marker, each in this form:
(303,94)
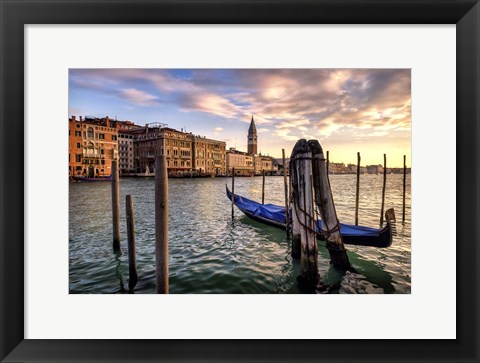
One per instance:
(90,133)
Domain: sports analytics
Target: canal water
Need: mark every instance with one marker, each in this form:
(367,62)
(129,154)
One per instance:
(210,253)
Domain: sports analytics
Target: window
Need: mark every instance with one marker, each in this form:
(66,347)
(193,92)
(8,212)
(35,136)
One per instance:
(78,133)
(78,145)
(101,136)
(78,158)
(90,133)
(114,137)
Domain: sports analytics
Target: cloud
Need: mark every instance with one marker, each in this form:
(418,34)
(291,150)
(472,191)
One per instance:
(326,103)
(138,97)
(208,103)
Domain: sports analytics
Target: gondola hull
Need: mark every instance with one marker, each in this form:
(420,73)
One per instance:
(274,216)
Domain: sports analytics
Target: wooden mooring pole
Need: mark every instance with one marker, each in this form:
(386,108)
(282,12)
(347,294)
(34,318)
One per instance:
(132,259)
(233,192)
(326,207)
(301,161)
(116,206)
(285,183)
(328,161)
(296,233)
(263,186)
(161,224)
(404,185)
(357,196)
(384,186)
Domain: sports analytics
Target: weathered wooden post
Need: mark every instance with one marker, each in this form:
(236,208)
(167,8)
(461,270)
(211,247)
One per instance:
(233,191)
(358,189)
(303,205)
(328,161)
(404,184)
(296,226)
(116,206)
(384,186)
(285,183)
(132,259)
(263,186)
(161,223)
(326,206)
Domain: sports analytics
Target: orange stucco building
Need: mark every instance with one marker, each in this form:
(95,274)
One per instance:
(93,144)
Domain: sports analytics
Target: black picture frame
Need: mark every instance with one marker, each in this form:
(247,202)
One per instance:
(15,14)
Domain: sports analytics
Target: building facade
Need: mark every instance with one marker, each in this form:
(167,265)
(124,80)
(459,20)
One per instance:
(125,153)
(186,153)
(208,156)
(265,164)
(374,169)
(75,147)
(241,161)
(93,146)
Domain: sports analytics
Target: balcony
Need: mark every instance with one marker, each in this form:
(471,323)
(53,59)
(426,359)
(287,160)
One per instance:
(94,156)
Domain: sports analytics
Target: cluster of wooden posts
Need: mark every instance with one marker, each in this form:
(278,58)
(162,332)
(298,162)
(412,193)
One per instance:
(310,197)
(161,225)
(357,195)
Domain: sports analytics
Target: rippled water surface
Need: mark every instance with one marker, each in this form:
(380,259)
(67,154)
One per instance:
(210,253)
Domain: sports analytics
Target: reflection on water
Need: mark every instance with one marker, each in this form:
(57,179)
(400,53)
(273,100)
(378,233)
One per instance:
(210,253)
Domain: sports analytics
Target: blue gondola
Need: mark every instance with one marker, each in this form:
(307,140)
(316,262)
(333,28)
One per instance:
(274,215)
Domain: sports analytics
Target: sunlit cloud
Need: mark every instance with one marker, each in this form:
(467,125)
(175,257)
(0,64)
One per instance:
(138,97)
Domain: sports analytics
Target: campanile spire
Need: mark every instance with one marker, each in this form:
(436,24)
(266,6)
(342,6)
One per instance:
(252,138)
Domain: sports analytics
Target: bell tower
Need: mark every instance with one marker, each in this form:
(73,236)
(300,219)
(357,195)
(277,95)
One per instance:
(252,138)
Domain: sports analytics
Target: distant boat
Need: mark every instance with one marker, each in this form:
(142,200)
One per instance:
(274,215)
(89,179)
(146,174)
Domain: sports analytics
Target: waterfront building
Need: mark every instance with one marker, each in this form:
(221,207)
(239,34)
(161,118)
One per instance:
(208,156)
(75,148)
(352,169)
(180,149)
(338,168)
(241,161)
(375,169)
(265,163)
(93,146)
(126,153)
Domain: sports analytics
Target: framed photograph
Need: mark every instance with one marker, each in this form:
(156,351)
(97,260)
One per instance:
(306,159)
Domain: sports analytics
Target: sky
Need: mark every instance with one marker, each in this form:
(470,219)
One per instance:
(346,110)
